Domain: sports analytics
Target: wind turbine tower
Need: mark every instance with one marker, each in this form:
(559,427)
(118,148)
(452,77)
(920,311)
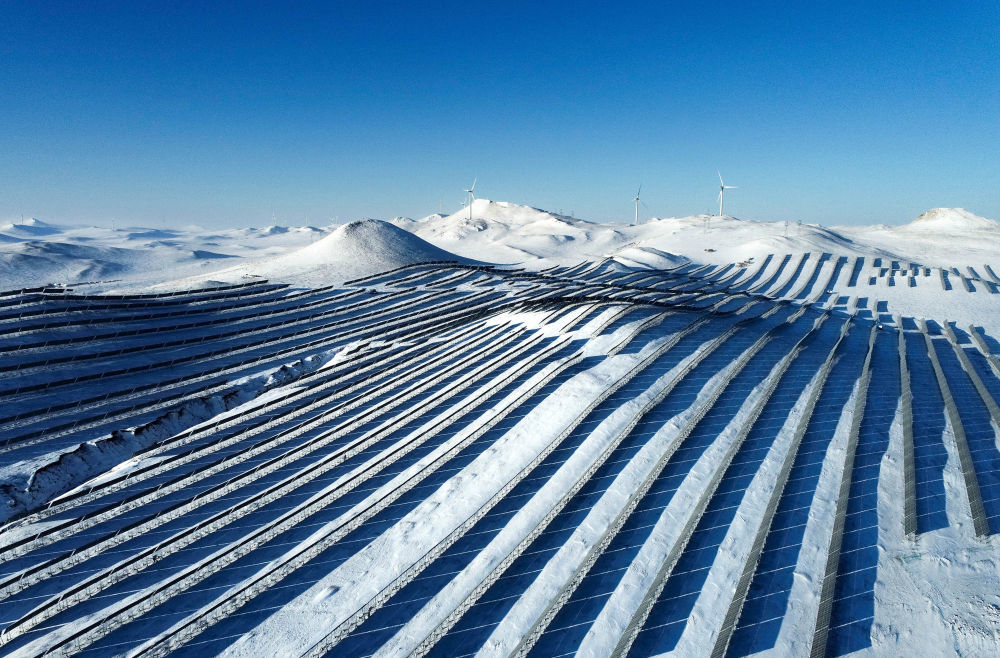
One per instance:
(722,191)
(636,199)
(472,195)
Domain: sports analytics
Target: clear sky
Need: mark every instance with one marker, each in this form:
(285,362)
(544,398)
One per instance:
(177,113)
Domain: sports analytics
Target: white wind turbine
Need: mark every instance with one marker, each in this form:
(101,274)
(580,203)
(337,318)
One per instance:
(637,202)
(472,195)
(722,191)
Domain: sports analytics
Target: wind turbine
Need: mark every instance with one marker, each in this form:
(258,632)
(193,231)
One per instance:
(472,195)
(722,191)
(637,204)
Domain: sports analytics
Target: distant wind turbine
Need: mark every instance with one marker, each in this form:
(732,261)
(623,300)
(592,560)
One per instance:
(722,191)
(637,202)
(472,195)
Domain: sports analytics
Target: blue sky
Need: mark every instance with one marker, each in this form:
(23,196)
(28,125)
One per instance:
(177,113)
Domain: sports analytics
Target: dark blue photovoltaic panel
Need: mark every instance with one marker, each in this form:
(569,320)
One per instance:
(572,621)
(479,621)
(929,453)
(767,598)
(670,613)
(854,594)
(979,432)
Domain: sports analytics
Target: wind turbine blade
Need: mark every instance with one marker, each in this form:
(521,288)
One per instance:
(474,181)
(720,177)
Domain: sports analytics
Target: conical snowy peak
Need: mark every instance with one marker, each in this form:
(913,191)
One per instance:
(353,250)
(371,240)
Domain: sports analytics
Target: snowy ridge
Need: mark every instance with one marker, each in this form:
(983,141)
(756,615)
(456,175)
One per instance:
(449,458)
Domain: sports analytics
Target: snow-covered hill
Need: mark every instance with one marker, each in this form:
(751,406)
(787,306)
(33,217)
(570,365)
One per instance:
(29,228)
(353,250)
(502,232)
(951,222)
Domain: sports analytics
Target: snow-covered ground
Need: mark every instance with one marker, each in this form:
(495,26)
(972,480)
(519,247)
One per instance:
(516,433)
(945,249)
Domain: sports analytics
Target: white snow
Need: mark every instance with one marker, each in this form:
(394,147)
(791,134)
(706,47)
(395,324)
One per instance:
(937,594)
